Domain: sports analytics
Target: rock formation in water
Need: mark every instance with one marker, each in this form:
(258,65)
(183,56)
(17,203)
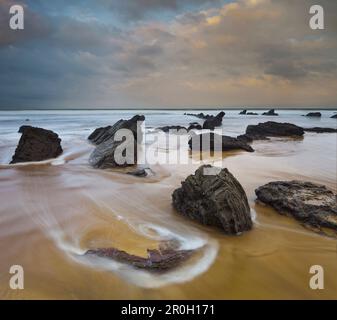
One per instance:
(314,114)
(314,205)
(214,200)
(213,122)
(107,154)
(334,116)
(320,130)
(270,113)
(36,144)
(272,129)
(199,115)
(167,129)
(215,142)
(246,113)
(163,259)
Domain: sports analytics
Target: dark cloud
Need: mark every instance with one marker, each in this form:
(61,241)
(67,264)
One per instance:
(244,53)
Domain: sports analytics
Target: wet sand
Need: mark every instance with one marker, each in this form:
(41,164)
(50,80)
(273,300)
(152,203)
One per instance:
(52,213)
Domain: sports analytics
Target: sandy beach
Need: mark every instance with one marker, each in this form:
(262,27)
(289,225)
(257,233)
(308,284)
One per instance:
(53,212)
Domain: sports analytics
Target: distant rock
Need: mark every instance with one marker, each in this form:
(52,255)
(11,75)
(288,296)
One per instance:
(217,143)
(314,114)
(213,122)
(36,144)
(245,112)
(334,116)
(199,115)
(156,261)
(214,200)
(274,129)
(320,130)
(107,154)
(172,128)
(270,113)
(314,205)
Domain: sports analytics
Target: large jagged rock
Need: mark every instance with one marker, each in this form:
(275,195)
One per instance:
(214,200)
(274,129)
(312,204)
(320,130)
(314,114)
(101,135)
(215,142)
(213,122)
(163,259)
(110,152)
(334,116)
(243,112)
(36,144)
(270,113)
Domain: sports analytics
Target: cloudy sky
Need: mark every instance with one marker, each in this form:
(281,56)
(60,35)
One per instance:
(168,54)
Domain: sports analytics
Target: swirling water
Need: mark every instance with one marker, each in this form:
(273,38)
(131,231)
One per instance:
(52,212)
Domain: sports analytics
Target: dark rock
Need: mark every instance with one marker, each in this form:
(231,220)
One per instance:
(249,138)
(156,261)
(214,122)
(274,129)
(37,144)
(314,205)
(172,129)
(101,135)
(245,112)
(334,116)
(214,200)
(217,143)
(194,127)
(105,155)
(270,113)
(314,114)
(141,173)
(200,115)
(320,130)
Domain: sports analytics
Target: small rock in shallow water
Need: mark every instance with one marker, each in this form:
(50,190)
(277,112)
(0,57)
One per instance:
(270,113)
(37,144)
(314,114)
(312,204)
(214,200)
(142,173)
(156,261)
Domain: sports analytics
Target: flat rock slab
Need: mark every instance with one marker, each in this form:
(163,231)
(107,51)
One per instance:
(274,129)
(37,144)
(312,204)
(320,130)
(156,261)
(214,200)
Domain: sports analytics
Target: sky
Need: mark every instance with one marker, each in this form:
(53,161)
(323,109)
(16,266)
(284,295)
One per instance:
(168,54)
